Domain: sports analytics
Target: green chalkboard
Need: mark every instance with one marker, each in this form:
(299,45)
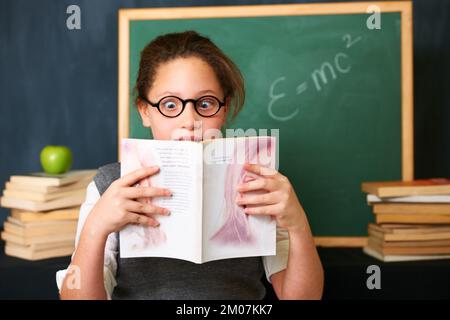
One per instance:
(329,84)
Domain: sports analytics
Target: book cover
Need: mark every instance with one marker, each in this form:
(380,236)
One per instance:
(45,239)
(376,242)
(412,218)
(40,197)
(382,189)
(28,253)
(69,201)
(397,258)
(69,227)
(408,236)
(17,186)
(205,223)
(71,213)
(47,179)
(409,228)
(408,250)
(443,198)
(411,208)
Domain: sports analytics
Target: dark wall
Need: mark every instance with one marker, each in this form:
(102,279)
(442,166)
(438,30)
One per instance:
(432,88)
(59,86)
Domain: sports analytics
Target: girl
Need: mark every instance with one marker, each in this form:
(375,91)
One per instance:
(186,82)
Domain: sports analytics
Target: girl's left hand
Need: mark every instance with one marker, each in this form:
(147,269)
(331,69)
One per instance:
(279,200)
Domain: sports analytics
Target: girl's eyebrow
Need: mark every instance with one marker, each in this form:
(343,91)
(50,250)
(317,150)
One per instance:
(178,94)
(206,91)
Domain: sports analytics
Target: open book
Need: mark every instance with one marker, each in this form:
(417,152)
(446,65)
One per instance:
(205,223)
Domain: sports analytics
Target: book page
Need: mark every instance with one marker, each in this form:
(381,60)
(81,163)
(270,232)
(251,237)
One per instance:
(179,234)
(228,232)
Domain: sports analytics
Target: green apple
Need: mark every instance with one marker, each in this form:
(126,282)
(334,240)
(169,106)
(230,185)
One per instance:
(56,159)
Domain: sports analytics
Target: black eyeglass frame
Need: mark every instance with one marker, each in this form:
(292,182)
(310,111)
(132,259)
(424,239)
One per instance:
(185,102)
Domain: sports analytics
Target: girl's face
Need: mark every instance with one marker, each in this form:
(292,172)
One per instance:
(186,78)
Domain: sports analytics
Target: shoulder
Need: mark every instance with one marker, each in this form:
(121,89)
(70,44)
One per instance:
(106,174)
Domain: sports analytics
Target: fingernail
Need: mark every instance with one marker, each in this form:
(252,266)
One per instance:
(167,211)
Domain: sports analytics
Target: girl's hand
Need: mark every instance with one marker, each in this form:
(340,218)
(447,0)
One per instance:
(279,199)
(116,207)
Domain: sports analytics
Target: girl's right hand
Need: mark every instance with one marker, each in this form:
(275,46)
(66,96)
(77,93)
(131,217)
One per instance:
(117,206)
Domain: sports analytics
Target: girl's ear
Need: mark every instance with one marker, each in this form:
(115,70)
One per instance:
(143,111)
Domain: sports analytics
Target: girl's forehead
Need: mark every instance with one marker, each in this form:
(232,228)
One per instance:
(185,77)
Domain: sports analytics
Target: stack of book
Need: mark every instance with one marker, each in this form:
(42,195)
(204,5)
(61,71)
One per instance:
(412,219)
(44,213)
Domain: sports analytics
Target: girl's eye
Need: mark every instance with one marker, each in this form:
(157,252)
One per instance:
(170,105)
(206,104)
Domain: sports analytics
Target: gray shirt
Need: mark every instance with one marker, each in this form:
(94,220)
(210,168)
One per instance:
(166,278)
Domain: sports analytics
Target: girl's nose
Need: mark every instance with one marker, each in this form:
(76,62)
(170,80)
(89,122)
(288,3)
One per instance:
(189,116)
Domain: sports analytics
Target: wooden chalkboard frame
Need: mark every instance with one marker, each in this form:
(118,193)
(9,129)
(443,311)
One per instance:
(403,7)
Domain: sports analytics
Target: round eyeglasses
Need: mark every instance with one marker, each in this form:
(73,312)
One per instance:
(172,106)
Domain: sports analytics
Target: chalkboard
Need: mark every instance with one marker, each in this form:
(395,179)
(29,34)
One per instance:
(339,93)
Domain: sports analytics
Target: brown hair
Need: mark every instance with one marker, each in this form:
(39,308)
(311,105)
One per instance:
(183,45)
